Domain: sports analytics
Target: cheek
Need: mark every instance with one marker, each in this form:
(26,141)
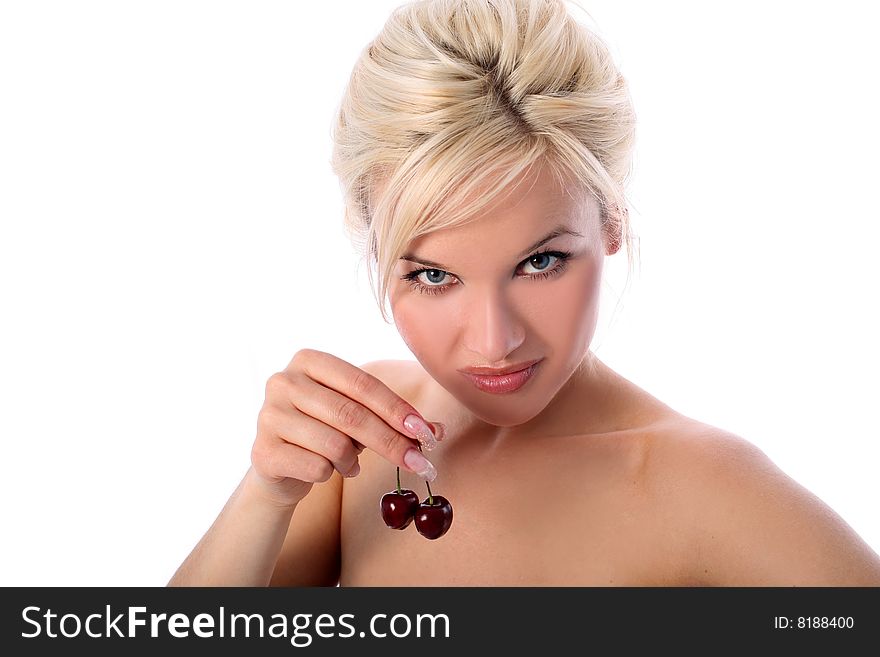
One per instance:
(566,312)
(421,326)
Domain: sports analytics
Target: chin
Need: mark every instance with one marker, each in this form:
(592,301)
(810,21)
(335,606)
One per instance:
(505,420)
(501,410)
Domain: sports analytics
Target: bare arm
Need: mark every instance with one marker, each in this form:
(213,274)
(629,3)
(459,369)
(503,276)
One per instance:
(242,546)
(281,525)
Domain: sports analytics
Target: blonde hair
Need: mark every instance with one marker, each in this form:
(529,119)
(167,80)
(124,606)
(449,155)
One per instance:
(454,99)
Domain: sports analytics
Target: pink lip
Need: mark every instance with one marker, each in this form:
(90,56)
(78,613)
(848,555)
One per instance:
(503,383)
(498,371)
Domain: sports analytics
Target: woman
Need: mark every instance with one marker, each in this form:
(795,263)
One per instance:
(483,149)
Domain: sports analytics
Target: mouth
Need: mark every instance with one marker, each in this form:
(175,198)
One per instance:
(502,383)
(498,371)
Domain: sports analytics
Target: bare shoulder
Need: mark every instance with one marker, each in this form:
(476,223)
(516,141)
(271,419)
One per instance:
(746,522)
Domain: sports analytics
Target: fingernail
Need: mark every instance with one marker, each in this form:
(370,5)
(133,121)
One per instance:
(421,431)
(355,470)
(419,464)
(439,430)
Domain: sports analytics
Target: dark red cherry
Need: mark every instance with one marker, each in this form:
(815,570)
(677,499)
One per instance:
(433,520)
(398,508)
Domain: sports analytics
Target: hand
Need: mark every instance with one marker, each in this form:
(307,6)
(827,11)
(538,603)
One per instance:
(319,414)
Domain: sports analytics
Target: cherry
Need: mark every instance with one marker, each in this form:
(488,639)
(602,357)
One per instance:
(434,516)
(398,507)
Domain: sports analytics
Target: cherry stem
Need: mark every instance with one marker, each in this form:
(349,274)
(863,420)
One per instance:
(398,478)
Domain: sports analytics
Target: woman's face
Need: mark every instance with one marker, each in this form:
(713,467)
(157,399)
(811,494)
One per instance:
(482,295)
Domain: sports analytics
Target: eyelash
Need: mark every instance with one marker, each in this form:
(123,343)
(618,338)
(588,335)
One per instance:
(412,277)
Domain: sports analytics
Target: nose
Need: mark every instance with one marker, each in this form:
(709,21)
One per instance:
(493,329)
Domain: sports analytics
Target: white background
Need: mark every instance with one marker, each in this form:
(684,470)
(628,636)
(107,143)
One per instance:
(171,235)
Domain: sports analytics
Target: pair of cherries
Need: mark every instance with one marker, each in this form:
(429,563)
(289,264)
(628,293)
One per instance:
(401,506)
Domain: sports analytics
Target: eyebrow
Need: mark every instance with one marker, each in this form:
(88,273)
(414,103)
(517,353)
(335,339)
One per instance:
(556,232)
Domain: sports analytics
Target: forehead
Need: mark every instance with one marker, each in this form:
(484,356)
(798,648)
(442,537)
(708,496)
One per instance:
(526,212)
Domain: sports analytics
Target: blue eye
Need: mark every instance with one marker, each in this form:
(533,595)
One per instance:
(428,273)
(540,257)
(539,261)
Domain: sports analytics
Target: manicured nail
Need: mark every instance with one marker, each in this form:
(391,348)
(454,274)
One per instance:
(419,464)
(421,431)
(355,470)
(439,430)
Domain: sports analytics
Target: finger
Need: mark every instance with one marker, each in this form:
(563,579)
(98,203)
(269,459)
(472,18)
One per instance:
(279,459)
(297,428)
(361,406)
(359,422)
(369,391)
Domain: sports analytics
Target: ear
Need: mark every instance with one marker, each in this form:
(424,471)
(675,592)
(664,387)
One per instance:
(612,232)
